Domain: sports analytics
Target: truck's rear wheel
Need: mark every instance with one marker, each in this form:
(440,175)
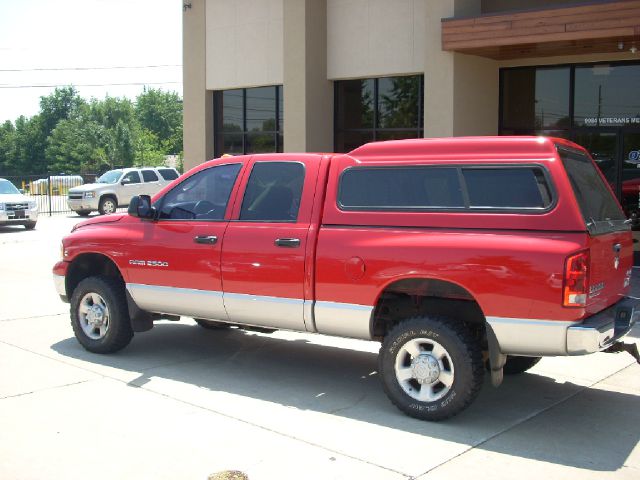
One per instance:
(431,368)
(517,365)
(99,315)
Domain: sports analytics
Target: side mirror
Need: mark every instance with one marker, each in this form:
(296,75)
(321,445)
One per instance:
(140,206)
(21,190)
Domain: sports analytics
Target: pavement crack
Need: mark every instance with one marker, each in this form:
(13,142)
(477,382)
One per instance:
(33,317)
(45,389)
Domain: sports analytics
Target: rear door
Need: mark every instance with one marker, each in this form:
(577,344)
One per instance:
(266,244)
(150,182)
(610,242)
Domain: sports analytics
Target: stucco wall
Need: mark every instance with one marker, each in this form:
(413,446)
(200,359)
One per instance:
(244,43)
(370,38)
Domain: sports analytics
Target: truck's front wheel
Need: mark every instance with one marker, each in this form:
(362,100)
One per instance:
(99,315)
(431,368)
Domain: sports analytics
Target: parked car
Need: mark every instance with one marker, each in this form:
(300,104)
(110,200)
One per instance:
(16,208)
(450,252)
(116,188)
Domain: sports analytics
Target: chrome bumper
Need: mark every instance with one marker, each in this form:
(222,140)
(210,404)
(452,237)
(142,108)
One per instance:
(59,283)
(603,329)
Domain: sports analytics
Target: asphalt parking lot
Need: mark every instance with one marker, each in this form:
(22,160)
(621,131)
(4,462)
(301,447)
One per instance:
(182,402)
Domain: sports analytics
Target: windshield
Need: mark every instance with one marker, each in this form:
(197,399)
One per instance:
(7,187)
(112,176)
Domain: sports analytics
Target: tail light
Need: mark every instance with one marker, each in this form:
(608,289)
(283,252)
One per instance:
(576,280)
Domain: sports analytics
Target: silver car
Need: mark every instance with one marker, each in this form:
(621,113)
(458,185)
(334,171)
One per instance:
(116,188)
(15,208)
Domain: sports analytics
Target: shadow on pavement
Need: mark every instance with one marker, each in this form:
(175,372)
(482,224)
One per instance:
(596,429)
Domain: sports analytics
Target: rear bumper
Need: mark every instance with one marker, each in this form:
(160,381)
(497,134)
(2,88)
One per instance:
(601,330)
(538,338)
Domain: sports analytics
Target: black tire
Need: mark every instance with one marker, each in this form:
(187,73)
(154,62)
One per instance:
(517,365)
(83,213)
(118,331)
(211,324)
(30,225)
(105,205)
(463,352)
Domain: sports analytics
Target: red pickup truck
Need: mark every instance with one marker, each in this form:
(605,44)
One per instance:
(459,255)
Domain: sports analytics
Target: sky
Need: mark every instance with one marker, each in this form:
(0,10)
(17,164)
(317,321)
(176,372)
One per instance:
(70,42)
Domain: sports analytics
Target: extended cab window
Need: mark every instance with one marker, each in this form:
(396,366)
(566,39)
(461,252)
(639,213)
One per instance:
(497,188)
(273,192)
(203,196)
(131,177)
(149,176)
(599,208)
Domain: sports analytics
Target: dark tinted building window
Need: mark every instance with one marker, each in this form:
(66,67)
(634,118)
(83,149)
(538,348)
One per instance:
(607,95)
(248,120)
(378,109)
(432,188)
(535,98)
(273,192)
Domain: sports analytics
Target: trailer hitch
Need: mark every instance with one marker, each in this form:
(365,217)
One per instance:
(630,348)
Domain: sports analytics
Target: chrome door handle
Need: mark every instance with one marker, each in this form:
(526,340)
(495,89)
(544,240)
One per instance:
(209,239)
(287,242)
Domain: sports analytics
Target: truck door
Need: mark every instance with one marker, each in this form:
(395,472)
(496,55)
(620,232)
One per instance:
(266,243)
(174,263)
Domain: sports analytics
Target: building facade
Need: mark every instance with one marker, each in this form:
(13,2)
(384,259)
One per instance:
(329,75)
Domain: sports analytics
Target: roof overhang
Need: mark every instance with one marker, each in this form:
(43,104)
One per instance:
(602,27)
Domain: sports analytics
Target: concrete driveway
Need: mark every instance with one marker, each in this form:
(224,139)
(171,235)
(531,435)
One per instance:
(182,402)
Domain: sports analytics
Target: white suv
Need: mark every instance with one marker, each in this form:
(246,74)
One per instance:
(15,208)
(116,188)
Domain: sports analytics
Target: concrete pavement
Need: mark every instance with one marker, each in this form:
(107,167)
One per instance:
(184,402)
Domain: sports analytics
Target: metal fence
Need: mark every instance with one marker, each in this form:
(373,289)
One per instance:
(50,191)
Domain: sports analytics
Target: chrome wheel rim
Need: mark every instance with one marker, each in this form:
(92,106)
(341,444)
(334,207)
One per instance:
(108,206)
(424,369)
(93,315)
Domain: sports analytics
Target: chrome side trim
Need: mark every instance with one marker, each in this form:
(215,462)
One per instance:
(178,301)
(343,319)
(58,281)
(274,312)
(309,318)
(525,336)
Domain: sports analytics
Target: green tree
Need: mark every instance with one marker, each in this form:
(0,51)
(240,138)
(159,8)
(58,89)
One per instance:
(7,148)
(77,145)
(161,113)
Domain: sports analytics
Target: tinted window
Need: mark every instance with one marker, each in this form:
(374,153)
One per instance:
(203,196)
(535,98)
(507,188)
(131,177)
(378,109)
(273,192)
(149,176)
(599,208)
(168,173)
(400,188)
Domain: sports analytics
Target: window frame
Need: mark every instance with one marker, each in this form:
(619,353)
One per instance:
(246,186)
(375,130)
(158,204)
(467,208)
(218,122)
